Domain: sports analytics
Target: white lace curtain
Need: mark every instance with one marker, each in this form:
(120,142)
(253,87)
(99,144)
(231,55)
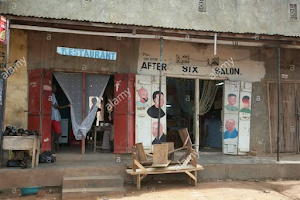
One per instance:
(72,85)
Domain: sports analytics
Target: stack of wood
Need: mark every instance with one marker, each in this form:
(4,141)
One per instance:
(162,160)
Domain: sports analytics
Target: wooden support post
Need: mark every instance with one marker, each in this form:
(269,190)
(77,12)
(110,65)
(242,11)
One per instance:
(83,112)
(196,115)
(269,112)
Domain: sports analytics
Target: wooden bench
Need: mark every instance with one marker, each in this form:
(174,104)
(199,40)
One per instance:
(143,166)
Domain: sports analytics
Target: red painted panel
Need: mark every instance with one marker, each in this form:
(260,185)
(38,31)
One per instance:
(121,129)
(39,116)
(124,113)
(34,96)
(131,135)
(121,86)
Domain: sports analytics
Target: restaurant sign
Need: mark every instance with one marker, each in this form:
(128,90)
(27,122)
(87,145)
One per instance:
(87,53)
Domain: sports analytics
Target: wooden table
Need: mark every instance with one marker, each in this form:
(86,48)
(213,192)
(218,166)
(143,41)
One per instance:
(24,143)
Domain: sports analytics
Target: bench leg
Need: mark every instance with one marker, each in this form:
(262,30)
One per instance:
(138,182)
(195,181)
(134,179)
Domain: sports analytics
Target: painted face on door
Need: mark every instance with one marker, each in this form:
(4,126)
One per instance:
(155,130)
(156,100)
(232,100)
(229,125)
(143,94)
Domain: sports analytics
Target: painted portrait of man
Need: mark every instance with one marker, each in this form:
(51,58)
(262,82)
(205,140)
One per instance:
(246,102)
(154,130)
(153,110)
(143,94)
(231,131)
(231,103)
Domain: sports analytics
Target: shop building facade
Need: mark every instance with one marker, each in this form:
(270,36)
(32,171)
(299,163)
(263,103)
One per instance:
(245,63)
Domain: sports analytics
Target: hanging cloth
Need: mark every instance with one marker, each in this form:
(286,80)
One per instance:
(208,95)
(184,87)
(71,84)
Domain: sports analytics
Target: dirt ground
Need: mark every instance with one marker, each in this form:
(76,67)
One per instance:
(223,189)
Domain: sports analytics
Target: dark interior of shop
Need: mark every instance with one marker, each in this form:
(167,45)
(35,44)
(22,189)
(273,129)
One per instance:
(180,112)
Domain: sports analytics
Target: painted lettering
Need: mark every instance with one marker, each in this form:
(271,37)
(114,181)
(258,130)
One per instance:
(184,68)
(144,66)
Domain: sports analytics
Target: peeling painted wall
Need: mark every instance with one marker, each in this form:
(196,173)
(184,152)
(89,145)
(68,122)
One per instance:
(238,16)
(17,83)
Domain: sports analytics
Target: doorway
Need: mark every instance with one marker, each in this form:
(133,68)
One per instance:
(180,111)
(289,118)
(84,91)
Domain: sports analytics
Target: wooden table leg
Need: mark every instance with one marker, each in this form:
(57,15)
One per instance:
(38,151)
(195,181)
(33,153)
(95,141)
(138,182)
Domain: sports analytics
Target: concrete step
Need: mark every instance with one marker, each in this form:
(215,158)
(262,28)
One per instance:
(93,182)
(91,193)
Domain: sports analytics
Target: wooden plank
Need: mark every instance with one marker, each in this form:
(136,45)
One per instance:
(18,143)
(190,175)
(162,172)
(160,154)
(170,169)
(161,165)
(149,165)
(170,149)
(141,152)
(185,137)
(140,166)
(193,158)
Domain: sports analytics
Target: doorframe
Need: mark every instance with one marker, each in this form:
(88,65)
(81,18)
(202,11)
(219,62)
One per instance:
(196,123)
(84,73)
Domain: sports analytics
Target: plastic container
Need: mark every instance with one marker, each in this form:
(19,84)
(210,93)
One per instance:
(26,191)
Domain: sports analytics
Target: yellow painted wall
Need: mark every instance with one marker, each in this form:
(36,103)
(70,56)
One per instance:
(17,82)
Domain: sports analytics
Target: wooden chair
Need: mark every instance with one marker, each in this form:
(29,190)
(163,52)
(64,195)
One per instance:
(143,157)
(187,143)
(90,139)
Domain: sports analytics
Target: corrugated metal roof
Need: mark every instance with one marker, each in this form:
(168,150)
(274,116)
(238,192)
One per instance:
(237,16)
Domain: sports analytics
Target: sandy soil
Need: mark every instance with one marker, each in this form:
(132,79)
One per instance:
(225,190)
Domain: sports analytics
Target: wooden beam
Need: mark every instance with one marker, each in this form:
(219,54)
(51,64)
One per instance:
(191,175)
(82,71)
(140,166)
